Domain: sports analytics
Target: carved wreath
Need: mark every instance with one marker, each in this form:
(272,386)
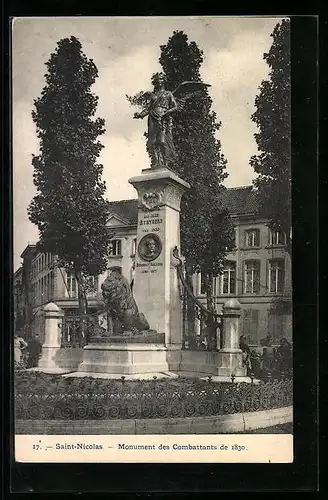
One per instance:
(152,200)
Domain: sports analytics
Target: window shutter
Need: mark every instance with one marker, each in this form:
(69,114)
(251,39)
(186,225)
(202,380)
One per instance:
(247,324)
(254,326)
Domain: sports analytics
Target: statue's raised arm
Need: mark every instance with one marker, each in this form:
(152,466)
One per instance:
(143,99)
(159,106)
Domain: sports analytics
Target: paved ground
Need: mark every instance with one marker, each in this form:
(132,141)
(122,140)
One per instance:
(278,429)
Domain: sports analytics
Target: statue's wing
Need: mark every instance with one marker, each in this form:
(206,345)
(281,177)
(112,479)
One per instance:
(187,90)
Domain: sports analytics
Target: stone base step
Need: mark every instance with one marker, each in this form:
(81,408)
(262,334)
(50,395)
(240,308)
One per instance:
(159,376)
(118,376)
(50,371)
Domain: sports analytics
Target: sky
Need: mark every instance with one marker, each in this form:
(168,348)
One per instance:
(126,52)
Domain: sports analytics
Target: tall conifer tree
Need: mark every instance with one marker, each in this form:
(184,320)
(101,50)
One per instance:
(69,208)
(272,116)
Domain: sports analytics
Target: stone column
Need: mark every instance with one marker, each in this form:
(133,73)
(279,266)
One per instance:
(230,356)
(155,284)
(52,340)
(155,287)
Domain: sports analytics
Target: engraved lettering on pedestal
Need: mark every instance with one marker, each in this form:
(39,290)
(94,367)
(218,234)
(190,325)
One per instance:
(150,247)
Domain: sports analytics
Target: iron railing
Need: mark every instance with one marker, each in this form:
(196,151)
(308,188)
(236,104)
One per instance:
(49,397)
(211,322)
(72,333)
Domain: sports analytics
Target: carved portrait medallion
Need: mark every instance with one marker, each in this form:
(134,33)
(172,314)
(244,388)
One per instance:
(150,247)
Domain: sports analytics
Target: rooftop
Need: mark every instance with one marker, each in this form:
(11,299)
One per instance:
(29,249)
(127,209)
(238,201)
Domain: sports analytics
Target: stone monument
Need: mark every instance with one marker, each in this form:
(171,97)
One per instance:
(151,322)
(51,347)
(156,287)
(230,361)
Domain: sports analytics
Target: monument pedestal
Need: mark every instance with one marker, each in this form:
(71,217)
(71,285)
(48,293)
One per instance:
(230,357)
(124,359)
(50,354)
(155,289)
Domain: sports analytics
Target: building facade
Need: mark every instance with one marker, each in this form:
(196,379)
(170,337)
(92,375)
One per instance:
(43,282)
(18,301)
(257,273)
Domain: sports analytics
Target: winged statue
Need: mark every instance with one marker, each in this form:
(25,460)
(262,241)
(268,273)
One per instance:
(159,106)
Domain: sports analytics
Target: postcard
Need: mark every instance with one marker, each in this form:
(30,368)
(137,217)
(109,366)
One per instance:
(152,239)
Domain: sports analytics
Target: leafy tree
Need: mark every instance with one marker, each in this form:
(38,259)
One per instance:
(69,207)
(272,116)
(206,230)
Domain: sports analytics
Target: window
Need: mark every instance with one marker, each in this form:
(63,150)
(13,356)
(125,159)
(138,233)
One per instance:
(115,248)
(276,276)
(203,285)
(93,280)
(71,285)
(228,279)
(134,246)
(277,238)
(203,282)
(252,276)
(252,238)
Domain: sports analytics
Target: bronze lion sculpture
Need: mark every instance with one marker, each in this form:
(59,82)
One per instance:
(120,304)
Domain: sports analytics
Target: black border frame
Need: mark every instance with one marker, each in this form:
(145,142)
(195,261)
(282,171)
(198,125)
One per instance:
(302,475)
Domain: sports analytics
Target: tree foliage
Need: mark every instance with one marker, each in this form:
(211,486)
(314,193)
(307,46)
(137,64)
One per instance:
(272,116)
(206,230)
(69,207)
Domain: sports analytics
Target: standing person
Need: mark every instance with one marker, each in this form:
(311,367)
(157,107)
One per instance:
(34,350)
(255,360)
(19,345)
